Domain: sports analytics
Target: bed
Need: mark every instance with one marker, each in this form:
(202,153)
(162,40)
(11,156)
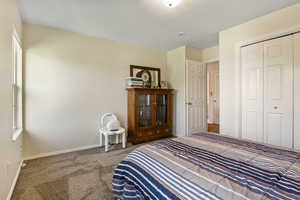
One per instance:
(208,166)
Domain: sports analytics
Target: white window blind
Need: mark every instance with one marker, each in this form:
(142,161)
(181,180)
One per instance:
(17,80)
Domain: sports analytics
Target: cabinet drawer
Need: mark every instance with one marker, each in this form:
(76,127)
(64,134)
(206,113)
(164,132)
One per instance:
(164,131)
(144,133)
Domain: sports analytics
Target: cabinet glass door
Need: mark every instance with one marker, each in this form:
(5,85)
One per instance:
(162,110)
(145,109)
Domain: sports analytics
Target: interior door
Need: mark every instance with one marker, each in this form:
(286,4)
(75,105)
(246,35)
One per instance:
(278,91)
(195,97)
(252,92)
(296,91)
(213,93)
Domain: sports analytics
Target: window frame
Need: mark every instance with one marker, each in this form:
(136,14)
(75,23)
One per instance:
(17,85)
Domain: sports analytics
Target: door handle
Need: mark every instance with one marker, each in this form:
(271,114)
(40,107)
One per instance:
(189,103)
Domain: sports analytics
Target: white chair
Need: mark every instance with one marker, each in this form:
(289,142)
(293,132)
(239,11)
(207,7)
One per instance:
(104,132)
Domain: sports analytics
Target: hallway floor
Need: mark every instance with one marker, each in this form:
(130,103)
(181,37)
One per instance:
(214,128)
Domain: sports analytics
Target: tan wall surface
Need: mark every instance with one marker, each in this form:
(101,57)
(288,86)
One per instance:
(193,54)
(210,54)
(70,80)
(10,151)
(176,77)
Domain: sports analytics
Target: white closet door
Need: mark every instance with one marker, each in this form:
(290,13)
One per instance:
(252,92)
(297,91)
(278,91)
(195,96)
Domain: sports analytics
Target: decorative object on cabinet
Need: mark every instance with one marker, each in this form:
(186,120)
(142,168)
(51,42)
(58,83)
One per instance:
(148,74)
(134,82)
(110,126)
(154,85)
(150,114)
(164,84)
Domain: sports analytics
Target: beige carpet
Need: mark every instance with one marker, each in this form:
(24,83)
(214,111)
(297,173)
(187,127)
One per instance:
(82,175)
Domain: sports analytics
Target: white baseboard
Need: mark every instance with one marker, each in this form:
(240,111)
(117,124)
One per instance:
(42,155)
(11,191)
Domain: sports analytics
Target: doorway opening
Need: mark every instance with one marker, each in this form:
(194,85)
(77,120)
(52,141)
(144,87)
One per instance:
(213,97)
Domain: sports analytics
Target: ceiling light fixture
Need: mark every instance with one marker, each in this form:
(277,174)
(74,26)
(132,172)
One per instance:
(172,3)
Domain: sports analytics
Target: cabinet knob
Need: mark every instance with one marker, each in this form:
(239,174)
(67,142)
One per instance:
(275,107)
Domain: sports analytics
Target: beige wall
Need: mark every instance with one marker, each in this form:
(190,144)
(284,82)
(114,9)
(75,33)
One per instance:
(210,54)
(193,54)
(10,152)
(70,80)
(176,77)
(203,55)
(229,70)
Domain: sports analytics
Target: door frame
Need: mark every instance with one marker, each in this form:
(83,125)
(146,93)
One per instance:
(205,63)
(206,96)
(238,67)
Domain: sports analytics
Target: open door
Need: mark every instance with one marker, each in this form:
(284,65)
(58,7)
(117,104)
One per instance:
(195,97)
(213,93)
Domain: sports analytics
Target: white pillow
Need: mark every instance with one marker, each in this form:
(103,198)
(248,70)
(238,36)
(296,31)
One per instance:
(113,124)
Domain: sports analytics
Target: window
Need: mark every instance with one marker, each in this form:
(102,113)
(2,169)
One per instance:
(17,86)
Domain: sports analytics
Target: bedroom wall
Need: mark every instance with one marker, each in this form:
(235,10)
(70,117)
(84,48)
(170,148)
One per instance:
(70,80)
(193,54)
(281,20)
(203,55)
(10,151)
(210,54)
(176,78)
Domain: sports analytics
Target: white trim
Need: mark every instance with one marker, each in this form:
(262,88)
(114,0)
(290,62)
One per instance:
(16,134)
(238,47)
(205,98)
(269,36)
(42,155)
(239,91)
(16,35)
(11,191)
(17,87)
(205,63)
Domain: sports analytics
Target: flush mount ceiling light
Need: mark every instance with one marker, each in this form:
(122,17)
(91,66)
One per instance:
(172,3)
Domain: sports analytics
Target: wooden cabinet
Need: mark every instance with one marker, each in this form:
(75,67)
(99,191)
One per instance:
(150,114)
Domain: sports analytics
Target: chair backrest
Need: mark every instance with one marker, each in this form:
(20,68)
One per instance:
(106,118)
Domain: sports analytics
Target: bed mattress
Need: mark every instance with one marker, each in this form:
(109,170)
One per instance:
(208,166)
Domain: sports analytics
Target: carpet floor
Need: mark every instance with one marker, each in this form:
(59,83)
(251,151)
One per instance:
(81,175)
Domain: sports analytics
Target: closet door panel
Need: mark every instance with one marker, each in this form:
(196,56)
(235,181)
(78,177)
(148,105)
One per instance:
(278,92)
(252,92)
(297,91)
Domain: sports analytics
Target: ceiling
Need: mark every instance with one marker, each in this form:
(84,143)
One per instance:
(148,23)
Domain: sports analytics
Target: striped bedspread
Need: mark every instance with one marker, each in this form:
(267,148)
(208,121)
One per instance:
(207,166)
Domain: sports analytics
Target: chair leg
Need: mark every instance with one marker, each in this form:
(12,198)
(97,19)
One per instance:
(106,143)
(117,139)
(124,140)
(101,139)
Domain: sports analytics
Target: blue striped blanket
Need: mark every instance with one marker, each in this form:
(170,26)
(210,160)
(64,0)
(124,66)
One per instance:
(207,166)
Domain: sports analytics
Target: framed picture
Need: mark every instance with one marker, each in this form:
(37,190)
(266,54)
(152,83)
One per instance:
(150,75)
